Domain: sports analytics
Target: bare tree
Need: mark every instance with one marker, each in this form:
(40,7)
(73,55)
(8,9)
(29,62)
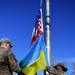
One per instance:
(73,73)
(54,62)
(73,67)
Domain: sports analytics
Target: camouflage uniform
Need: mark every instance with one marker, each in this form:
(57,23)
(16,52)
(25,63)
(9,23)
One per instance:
(8,63)
(54,72)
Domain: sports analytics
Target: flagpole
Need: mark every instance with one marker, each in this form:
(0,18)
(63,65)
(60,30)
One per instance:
(47,28)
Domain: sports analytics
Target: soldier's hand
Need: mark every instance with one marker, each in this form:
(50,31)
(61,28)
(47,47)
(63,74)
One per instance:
(48,67)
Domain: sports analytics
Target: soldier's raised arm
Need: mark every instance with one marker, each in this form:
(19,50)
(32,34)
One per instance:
(51,71)
(59,69)
(13,64)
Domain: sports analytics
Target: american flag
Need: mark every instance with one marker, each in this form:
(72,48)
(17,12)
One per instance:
(38,28)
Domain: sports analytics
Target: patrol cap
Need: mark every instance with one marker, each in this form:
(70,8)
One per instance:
(6,40)
(61,65)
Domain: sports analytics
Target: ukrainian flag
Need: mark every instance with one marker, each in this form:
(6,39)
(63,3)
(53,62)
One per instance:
(36,58)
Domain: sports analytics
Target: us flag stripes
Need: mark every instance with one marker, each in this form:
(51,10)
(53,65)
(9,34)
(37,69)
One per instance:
(38,28)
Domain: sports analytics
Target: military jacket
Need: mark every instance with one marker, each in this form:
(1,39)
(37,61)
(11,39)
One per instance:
(8,62)
(54,72)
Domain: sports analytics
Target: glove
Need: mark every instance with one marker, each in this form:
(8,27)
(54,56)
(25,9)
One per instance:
(48,67)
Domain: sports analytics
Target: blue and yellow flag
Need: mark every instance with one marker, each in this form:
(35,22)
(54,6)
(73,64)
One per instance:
(36,58)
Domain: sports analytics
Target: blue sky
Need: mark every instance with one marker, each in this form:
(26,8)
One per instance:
(17,19)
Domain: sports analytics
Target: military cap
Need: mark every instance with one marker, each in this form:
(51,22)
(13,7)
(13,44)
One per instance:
(61,65)
(6,40)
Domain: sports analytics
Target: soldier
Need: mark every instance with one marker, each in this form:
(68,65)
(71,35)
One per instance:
(59,69)
(8,62)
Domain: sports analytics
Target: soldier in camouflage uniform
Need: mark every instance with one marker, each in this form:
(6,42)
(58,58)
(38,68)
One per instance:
(59,69)
(8,62)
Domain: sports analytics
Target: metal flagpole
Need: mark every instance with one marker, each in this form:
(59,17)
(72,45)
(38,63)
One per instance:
(47,28)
